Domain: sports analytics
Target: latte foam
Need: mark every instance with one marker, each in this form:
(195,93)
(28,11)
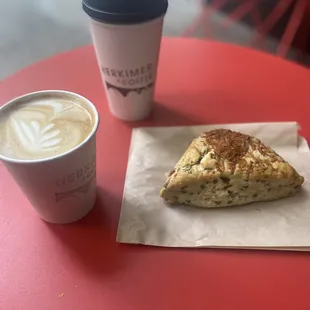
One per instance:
(43,127)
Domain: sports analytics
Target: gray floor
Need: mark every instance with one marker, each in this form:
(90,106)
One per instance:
(31,30)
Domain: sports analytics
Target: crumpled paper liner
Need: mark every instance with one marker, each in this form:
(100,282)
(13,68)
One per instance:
(147,219)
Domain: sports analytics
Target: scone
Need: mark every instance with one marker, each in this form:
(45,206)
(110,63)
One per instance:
(225,168)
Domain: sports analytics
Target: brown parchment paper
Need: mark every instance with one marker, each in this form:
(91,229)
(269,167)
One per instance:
(147,219)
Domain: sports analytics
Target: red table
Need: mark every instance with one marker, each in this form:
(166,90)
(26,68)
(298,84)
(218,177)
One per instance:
(80,266)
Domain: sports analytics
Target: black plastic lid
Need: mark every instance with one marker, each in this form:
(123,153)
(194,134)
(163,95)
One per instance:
(125,11)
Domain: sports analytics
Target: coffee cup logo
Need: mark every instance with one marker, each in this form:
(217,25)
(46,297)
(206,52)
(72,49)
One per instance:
(130,80)
(85,174)
(126,91)
(76,193)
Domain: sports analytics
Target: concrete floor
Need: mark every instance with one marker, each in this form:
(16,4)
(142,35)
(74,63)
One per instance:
(31,30)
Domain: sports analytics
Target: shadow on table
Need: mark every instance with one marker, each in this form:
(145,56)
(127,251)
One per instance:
(176,110)
(212,107)
(169,115)
(90,242)
(215,106)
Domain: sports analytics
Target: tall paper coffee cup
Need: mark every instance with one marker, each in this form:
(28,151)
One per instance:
(62,189)
(127,36)
(128,57)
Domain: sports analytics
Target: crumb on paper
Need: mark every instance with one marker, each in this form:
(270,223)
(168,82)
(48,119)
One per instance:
(258,209)
(61,295)
(75,285)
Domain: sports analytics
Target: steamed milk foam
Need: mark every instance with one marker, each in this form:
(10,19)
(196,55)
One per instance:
(43,127)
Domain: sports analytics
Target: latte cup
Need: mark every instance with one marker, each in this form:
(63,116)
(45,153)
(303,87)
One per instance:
(61,188)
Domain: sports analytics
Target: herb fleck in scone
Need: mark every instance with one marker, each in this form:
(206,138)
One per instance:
(225,168)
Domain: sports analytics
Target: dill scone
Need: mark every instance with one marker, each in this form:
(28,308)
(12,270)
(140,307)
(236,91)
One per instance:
(226,168)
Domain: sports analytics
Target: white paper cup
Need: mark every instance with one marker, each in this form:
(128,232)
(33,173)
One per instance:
(128,58)
(62,189)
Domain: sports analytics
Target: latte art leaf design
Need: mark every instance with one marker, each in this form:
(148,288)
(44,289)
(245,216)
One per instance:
(34,137)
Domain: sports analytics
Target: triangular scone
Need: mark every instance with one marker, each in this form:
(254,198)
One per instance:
(225,168)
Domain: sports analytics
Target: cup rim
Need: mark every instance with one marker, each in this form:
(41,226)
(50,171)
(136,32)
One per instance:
(52,158)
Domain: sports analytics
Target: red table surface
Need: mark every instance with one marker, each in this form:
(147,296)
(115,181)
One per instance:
(80,266)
